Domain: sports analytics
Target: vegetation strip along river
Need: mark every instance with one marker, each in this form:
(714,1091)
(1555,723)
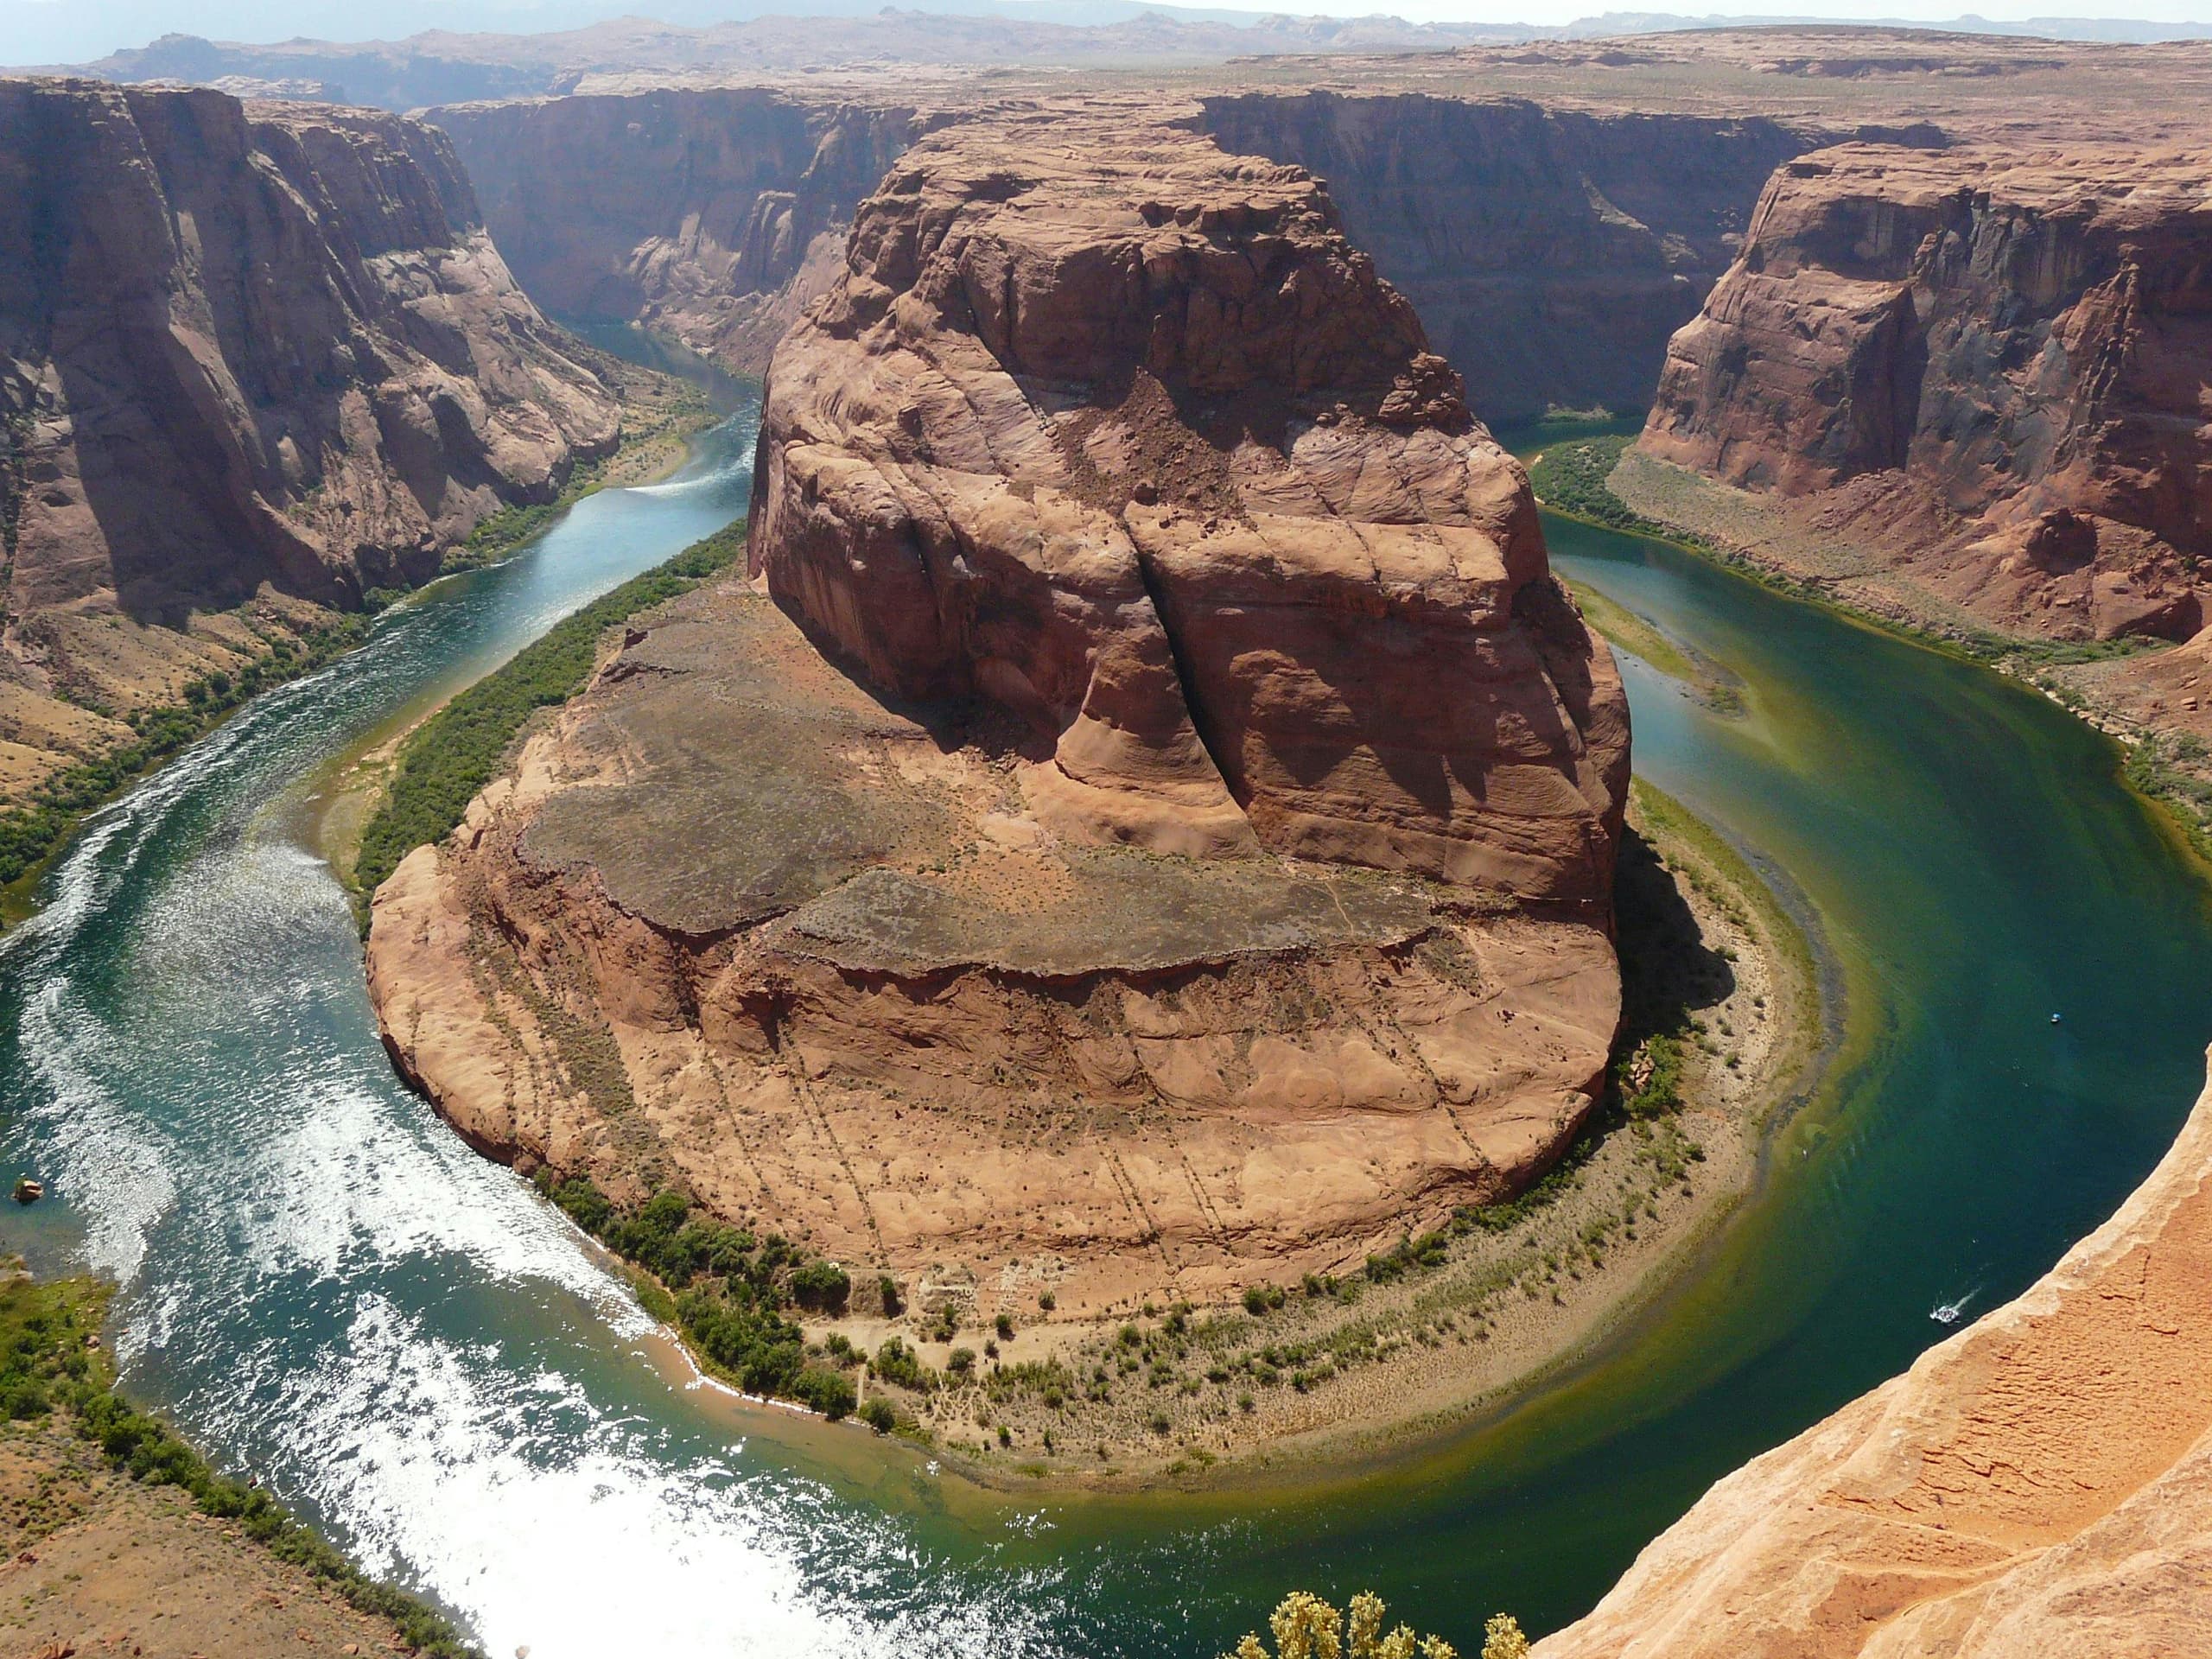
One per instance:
(329,1292)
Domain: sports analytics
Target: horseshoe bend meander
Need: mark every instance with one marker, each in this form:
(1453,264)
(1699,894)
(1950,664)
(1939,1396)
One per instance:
(326,1289)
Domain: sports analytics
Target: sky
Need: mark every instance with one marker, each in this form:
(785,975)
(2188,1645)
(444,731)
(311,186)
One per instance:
(67,31)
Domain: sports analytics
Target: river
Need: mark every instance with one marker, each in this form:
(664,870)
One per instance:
(329,1291)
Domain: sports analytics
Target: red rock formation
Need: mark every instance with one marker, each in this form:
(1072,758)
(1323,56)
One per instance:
(1551,252)
(1122,433)
(2040,1484)
(717,215)
(2021,342)
(1154,539)
(258,344)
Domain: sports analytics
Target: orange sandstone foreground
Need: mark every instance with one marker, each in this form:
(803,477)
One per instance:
(2036,1485)
(1148,827)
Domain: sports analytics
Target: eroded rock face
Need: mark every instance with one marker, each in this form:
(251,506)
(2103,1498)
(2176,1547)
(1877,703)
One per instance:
(1551,252)
(737,925)
(1122,433)
(247,344)
(717,215)
(1178,855)
(2020,342)
(2040,1484)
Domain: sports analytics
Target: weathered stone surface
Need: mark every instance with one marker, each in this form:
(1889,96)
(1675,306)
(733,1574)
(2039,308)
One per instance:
(1988,368)
(250,358)
(1120,433)
(1181,854)
(738,925)
(247,344)
(1551,251)
(717,215)
(2040,1484)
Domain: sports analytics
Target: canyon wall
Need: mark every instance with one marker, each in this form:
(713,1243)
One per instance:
(258,343)
(1551,252)
(243,349)
(1987,368)
(1147,828)
(715,215)
(2039,1484)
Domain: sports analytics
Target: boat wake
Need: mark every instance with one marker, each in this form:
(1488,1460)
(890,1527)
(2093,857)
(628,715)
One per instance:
(1952,1312)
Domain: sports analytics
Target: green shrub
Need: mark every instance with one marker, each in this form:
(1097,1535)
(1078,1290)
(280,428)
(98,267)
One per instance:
(457,751)
(896,1363)
(731,1290)
(878,1415)
(822,1286)
(43,1328)
(830,1393)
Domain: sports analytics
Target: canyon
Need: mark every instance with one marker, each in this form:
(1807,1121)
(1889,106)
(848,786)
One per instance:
(1983,374)
(1053,870)
(1551,254)
(254,361)
(1055,867)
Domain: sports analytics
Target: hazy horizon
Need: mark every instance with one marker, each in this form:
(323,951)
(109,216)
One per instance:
(60,32)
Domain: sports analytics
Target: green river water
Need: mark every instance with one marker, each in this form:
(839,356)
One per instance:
(329,1291)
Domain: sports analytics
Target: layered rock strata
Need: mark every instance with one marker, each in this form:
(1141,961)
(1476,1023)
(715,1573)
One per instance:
(1551,252)
(1988,369)
(716,215)
(245,347)
(2037,1484)
(1127,438)
(256,343)
(1148,827)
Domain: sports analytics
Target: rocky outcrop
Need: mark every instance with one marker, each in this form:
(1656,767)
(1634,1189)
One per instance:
(715,215)
(251,344)
(2040,1484)
(1125,437)
(1551,252)
(1180,854)
(242,350)
(1986,367)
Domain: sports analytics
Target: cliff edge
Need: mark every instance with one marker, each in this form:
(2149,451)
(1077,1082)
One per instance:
(2039,1484)
(1984,368)
(243,349)
(1148,827)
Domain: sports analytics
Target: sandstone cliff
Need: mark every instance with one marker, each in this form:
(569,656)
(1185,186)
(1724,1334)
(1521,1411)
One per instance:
(2040,1484)
(1551,252)
(1987,368)
(1165,583)
(716,215)
(1177,482)
(243,349)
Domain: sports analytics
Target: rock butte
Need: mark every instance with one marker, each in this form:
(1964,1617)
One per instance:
(1987,368)
(1550,252)
(2040,1484)
(240,346)
(1180,853)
